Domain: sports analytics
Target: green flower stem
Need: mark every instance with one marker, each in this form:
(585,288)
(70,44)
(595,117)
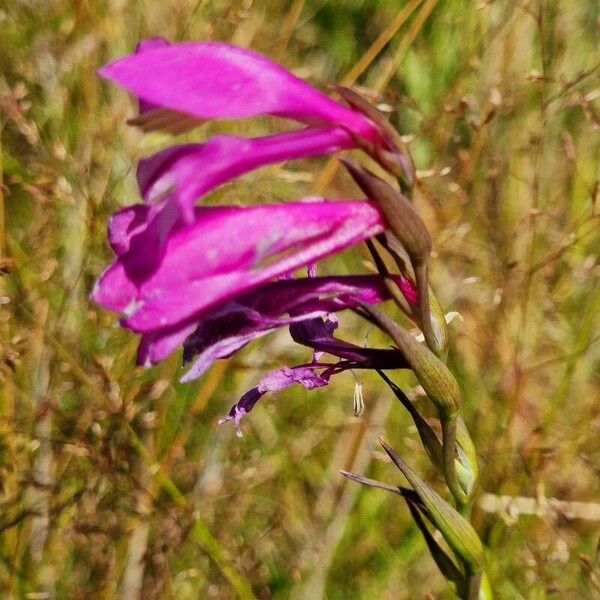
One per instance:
(449,454)
(408,241)
(422,282)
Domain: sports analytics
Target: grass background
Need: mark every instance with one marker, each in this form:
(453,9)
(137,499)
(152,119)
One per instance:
(115,482)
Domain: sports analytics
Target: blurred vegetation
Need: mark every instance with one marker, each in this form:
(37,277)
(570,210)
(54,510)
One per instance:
(116,482)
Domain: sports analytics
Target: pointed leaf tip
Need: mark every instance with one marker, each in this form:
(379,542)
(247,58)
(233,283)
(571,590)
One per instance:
(407,494)
(392,155)
(435,377)
(400,214)
(444,563)
(456,530)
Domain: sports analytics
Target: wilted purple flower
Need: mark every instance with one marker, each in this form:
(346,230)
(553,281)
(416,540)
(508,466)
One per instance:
(317,334)
(232,325)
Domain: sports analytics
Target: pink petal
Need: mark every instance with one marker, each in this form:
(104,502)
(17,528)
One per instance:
(124,224)
(226,251)
(213,80)
(157,345)
(191,170)
(145,46)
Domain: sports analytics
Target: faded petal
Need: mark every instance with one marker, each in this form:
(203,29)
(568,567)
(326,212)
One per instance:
(275,381)
(318,335)
(223,331)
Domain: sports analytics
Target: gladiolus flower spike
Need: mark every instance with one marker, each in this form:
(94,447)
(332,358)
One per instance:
(198,81)
(212,279)
(167,249)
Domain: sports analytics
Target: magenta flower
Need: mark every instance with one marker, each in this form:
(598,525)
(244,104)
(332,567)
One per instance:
(172,180)
(214,80)
(180,85)
(225,252)
(188,171)
(207,277)
(318,334)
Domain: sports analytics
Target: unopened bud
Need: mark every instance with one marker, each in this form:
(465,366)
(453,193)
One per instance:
(456,530)
(467,467)
(435,377)
(445,564)
(429,316)
(485,588)
(401,216)
(394,157)
(439,340)
(465,463)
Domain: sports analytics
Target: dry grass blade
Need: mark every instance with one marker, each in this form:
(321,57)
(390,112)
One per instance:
(378,45)
(328,173)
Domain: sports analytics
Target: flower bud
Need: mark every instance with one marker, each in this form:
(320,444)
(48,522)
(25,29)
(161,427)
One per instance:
(467,467)
(439,384)
(429,439)
(395,158)
(485,588)
(444,563)
(435,377)
(438,341)
(400,215)
(456,530)
(406,224)
(465,463)
(437,338)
